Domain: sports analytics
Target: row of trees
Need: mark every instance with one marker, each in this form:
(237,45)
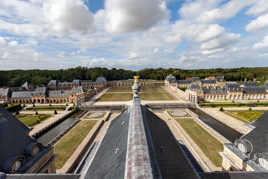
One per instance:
(38,77)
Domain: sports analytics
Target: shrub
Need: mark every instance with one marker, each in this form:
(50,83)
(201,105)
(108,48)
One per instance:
(50,104)
(221,109)
(13,107)
(250,109)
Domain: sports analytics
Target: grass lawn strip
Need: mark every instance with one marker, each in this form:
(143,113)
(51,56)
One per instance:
(68,144)
(32,119)
(116,97)
(207,143)
(147,93)
(47,108)
(119,89)
(245,116)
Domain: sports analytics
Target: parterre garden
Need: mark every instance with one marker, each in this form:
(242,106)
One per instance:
(146,93)
(32,119)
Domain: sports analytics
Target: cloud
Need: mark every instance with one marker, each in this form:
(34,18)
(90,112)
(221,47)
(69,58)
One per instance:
(220,42)
(261,6)
(134,15)
(262,44)
(226,11)
(258,24)
(13,43)
(67,16)
(193,9)
(2,41)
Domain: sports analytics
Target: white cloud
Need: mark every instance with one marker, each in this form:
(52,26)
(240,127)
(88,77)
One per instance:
(67,16)
(226,11)
(262,44)
(2,41)
(13,43)
(134,15)
(193,9)
(258,24)
(261,6)
(220,42)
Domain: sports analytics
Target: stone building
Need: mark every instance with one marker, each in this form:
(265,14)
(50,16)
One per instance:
(5,94)
(250,152)
(20,153)
(231,92)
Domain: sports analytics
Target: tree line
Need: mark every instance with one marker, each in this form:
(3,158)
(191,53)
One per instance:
(13,78)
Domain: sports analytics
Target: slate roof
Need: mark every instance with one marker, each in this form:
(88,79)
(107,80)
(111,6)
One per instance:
(165,150)
(59,93)
(64,84)
(171,78)
(110,159)
(85,83)
(233,87)
(208,81)
(219,78)
(259,136)
(52,83)
(5,92)
(220,91)
(195,78)
(40,91)
(101,80)
(76,82)
(250,83)
(254,89)
(21,94)
(14,140)
(77,90)
(25,85)
(184,81)
(194,87)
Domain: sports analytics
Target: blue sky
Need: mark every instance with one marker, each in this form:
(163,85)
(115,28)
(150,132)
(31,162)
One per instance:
(133,34)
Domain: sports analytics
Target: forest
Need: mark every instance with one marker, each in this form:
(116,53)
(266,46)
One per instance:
(14,78)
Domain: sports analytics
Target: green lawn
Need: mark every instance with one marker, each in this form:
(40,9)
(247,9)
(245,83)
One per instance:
(47,108)
(207,143)
(68,144)
(119,89)
(32,119)
(246,116)
(155,94)
(116,97)
(146,93)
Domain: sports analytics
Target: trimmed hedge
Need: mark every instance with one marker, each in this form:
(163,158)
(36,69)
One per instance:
(13,107)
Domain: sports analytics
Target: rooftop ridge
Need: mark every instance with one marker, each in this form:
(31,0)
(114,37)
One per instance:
(138,164)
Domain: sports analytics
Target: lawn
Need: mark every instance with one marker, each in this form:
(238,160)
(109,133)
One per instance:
(246,116)
(68,144)
(119,89)
(207,143)
(116,97)
(155,94)
(146,93)
(47,108)
(32,119)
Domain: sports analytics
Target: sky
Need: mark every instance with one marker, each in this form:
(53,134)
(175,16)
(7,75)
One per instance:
(133,34)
